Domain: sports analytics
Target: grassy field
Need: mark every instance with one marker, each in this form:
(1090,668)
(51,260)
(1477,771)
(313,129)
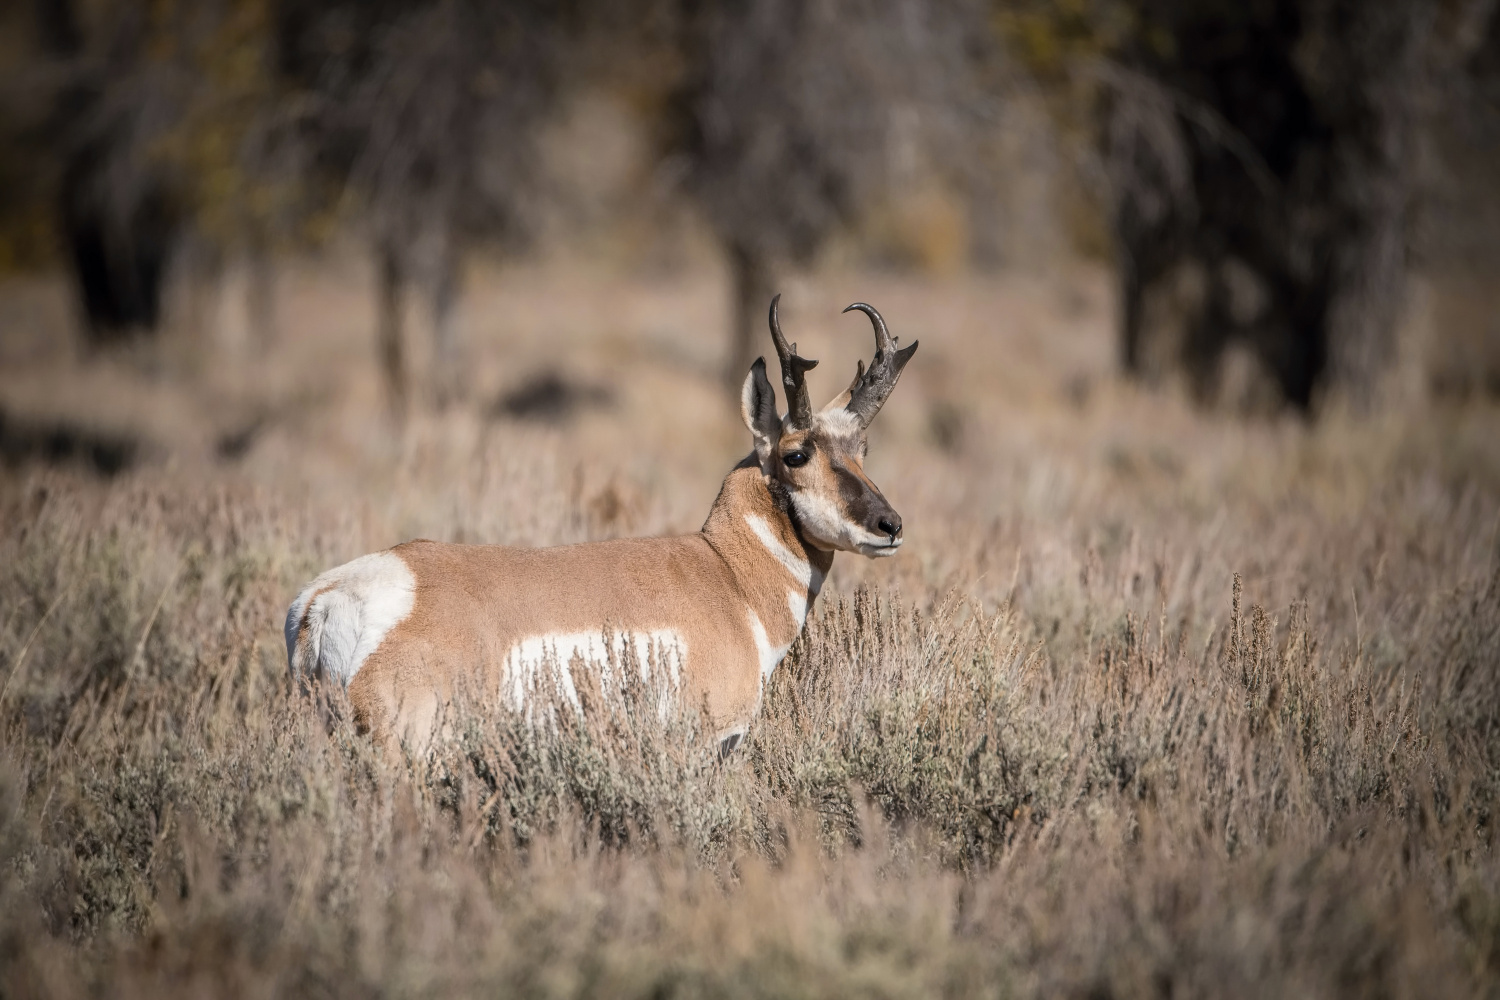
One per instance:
(1154,702)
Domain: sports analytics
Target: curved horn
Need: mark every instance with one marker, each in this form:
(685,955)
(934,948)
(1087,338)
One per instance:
(793,373)
(871,386)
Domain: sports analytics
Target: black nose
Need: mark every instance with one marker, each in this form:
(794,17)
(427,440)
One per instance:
(890,525)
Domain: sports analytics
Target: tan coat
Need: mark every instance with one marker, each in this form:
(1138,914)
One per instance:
(473,605)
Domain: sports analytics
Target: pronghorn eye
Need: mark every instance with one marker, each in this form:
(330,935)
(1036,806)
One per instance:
(795,459)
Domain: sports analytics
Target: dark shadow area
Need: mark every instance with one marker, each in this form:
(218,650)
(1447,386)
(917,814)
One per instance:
(1275,201)
(233,445)
(552,398)
(108,453)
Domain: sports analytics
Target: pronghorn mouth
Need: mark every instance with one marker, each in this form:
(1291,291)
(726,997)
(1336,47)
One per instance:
(879,551)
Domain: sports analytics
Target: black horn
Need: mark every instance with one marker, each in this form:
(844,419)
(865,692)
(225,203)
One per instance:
(793,374)
(868,392)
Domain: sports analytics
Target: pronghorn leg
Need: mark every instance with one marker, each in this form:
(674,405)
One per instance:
(727,744)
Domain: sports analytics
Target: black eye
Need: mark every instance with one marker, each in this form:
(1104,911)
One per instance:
(795,459)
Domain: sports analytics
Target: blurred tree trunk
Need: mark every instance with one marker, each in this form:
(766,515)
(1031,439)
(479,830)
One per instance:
(786,116)
(1369,275)
(449,373)
(390,280)
(236,293)
(751,276)
(260,292)
(432,112)
(1275,148)
(119,252)
(1372,87)
(1132,303)
(115,215)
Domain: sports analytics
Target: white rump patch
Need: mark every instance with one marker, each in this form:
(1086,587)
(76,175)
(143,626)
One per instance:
(293,626)
(537,652)
(352,609)
(768,654)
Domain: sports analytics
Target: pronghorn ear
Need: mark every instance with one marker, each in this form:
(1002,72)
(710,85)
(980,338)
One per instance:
(839,402)
(758,408)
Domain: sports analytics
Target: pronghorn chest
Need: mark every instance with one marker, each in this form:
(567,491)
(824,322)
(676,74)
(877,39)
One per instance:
(780,595)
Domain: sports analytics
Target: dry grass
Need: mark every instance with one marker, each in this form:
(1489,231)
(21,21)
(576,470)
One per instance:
(1153,703)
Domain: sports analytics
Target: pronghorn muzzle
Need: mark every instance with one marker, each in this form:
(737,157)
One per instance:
(867,508)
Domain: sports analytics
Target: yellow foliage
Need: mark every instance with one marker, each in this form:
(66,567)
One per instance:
(28,237)
(1050,35)
(925,228)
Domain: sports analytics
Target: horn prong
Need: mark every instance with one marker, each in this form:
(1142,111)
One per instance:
(872,385)
(793,371)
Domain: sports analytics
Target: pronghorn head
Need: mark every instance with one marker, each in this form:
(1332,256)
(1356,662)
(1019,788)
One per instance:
(815,461)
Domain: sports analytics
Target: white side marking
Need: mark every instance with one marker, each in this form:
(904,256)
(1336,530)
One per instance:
(557,649)
(768,654)
(361,602)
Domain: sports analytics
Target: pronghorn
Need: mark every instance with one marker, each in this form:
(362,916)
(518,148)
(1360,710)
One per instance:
(405,627)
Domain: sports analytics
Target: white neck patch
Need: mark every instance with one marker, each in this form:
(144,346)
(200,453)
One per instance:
(768,654)
(796,602)
(805,573)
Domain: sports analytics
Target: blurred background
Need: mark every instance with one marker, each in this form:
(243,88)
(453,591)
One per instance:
(1183,682)
(305,241)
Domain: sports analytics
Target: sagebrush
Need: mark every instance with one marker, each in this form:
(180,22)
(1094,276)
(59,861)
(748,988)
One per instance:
(1154,702)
